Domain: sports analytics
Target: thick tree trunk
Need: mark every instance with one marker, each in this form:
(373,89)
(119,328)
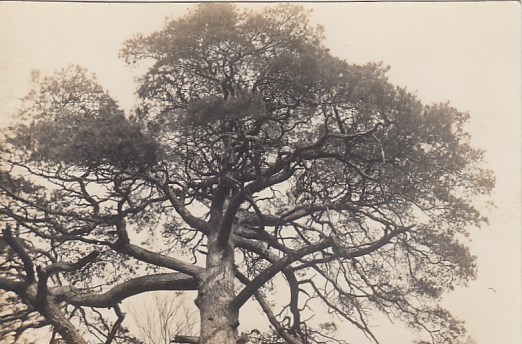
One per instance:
(219,318)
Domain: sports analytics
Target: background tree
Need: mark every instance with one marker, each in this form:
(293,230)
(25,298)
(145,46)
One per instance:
(260,156)
(162,317)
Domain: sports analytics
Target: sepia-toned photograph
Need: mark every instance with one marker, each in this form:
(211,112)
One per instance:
(260,172)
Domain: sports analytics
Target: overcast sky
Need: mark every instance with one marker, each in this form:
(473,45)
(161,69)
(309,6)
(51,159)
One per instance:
(465,53)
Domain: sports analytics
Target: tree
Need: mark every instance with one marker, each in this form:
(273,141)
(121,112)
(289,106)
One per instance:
(254,157)
(162,319)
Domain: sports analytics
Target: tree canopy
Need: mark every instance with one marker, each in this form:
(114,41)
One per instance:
(254,157)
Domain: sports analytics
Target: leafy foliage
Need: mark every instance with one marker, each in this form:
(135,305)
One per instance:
(72,120)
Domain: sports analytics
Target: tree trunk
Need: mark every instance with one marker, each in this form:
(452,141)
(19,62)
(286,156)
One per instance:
(219,318)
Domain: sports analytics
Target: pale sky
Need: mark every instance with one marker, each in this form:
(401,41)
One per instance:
(465,53)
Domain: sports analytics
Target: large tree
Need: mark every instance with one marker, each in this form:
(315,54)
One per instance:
(255,163)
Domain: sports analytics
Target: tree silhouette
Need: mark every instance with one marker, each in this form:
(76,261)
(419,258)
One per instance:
(254,157)
(162,316)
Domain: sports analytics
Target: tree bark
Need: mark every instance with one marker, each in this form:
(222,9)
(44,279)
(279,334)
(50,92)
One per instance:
(61,324)
(219,316)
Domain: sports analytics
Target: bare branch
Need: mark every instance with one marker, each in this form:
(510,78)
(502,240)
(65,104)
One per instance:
(122,245)
(268,311)
(277,267)
(17,246)
(138,285)
(117,324)
(185,339)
